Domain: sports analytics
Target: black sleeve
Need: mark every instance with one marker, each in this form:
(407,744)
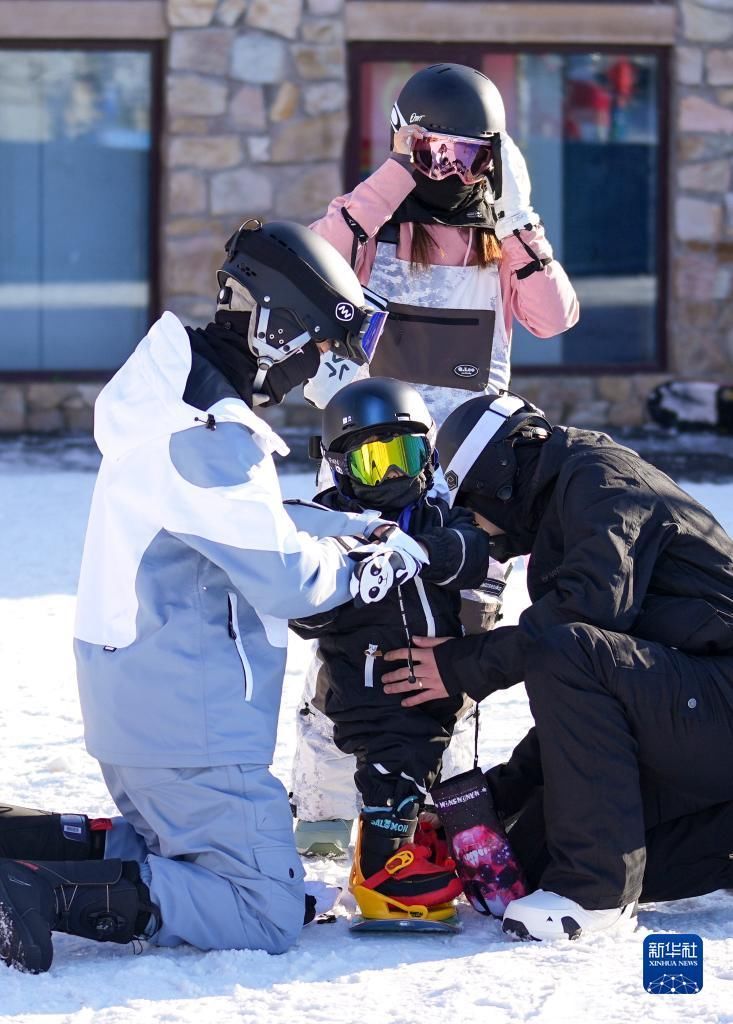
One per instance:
(459,553)
(513,782)
(480,664)
(613,531)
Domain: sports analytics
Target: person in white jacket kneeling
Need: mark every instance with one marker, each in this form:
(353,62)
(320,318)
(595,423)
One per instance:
(191,568)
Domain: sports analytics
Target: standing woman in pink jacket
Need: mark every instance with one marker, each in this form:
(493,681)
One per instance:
(444,230)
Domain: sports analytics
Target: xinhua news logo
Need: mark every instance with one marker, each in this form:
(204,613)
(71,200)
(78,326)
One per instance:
(672,964)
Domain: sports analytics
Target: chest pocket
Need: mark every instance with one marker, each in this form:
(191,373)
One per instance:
(447,348)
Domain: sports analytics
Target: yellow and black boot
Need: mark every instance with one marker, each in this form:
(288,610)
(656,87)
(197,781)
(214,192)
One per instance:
(393,877)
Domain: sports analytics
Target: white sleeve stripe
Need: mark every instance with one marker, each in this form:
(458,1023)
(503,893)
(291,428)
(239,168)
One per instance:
(427,610)
(463,560)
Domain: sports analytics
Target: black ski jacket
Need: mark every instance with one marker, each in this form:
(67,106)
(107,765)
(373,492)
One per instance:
(615,544)
(352,640)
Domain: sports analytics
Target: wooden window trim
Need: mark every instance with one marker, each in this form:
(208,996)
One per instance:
(83,19)
(459,21)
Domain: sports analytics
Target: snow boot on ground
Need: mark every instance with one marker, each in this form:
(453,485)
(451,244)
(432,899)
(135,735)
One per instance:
(327,838)
(40,835)
(103,900)
(547,916)
(392,876)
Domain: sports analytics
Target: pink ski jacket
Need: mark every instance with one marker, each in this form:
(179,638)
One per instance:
(544,302)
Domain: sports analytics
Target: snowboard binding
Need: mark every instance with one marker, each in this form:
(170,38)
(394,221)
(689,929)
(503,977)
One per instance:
(408,886)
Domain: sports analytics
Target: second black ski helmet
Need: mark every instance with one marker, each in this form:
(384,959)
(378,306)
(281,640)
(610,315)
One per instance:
(476,444)
(450,99)
(288,267)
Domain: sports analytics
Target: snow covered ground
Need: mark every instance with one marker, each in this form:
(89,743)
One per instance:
(331,976)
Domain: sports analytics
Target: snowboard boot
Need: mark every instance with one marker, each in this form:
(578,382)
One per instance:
(392,876)
(41,835)
(327,838)
(103,900)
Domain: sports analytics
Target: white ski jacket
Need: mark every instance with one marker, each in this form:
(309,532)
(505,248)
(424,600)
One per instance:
(191,568)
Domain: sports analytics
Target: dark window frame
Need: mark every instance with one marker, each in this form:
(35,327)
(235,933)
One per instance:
(360,53)
(156,49)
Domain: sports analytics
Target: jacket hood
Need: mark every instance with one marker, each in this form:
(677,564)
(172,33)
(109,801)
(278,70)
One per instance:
(538,468)
(144,399)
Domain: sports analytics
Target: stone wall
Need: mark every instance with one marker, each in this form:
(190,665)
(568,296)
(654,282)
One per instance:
(700,336)
(255,121)
(47,407)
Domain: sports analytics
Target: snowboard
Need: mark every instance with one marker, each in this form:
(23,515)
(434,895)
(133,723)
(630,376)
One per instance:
(405,925)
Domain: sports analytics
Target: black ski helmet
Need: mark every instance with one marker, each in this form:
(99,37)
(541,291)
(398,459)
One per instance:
(287,267)
(476,445)
(450,99)
(374,403)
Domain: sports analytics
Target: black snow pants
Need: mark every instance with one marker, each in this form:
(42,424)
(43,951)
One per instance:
(625,786)
(398,750)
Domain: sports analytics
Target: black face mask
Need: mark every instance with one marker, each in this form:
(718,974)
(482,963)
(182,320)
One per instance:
(520,514)
(392,494)
(502,548)
(446,195)
(224,345)
(518,538)
(449,202)
(290,373)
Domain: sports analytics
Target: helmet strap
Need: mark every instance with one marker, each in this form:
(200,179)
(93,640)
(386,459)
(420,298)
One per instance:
(266,354)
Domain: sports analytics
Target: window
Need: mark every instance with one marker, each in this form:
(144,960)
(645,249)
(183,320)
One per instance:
(588,125)
(75,206)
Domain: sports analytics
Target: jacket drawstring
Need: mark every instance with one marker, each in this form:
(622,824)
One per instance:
(469,246)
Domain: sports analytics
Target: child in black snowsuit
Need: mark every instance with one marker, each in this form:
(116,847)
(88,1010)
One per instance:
(378,438)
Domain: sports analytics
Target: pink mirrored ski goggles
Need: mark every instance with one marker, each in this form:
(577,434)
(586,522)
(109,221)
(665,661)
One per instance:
(438,156)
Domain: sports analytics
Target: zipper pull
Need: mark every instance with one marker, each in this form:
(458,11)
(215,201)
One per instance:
(372,651)
(209,422)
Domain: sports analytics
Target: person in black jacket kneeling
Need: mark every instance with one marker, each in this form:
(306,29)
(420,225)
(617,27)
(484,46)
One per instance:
(623,791)
(378,438)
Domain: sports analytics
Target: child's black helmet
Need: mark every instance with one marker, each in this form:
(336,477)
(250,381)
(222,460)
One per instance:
(374,403)
(378,433)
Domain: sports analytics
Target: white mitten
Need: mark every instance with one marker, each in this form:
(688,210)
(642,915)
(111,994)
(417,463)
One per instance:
(396,559)
(376,575)
(334,373)
(512,207)
(389,535)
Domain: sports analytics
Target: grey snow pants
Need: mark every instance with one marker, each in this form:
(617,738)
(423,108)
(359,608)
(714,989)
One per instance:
(218,843)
